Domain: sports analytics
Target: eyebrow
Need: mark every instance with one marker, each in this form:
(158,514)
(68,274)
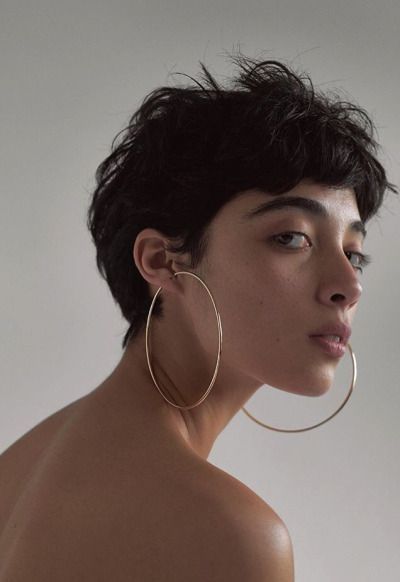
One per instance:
(311,206)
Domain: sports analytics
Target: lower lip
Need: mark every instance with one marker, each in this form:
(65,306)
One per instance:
(330,347)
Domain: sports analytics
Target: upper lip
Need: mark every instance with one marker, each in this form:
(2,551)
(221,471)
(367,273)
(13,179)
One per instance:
(338,328)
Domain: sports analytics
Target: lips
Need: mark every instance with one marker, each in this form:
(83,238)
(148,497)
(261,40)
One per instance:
(338,328)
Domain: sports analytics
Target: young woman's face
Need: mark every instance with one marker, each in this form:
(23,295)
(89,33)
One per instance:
(277,277)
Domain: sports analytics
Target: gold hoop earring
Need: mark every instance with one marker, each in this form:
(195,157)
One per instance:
(353,358)
(219,343)
(353,383)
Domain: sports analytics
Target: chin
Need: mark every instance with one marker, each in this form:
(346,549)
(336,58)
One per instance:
(309,386)
(319,391)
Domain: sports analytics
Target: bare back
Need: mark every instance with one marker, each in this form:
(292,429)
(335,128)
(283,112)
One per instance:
(74,498)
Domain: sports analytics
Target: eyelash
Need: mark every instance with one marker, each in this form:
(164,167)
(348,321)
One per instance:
(364,259)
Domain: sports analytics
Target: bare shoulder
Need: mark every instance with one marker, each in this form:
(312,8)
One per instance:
(253,541)
(262,548)
(202,524)
(171,518)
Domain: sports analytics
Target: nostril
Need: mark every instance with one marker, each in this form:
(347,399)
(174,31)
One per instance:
(337,297)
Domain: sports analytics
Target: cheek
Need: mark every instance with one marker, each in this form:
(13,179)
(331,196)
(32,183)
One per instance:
(279,292)
(263,309)
(258,297)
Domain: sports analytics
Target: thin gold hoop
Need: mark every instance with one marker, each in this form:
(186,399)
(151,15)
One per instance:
(219,343)
(353,359)
(353,383)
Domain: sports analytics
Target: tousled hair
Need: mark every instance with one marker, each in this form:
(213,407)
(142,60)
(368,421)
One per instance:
(188,150)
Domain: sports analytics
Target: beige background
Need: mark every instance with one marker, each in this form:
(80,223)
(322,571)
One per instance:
(71,75)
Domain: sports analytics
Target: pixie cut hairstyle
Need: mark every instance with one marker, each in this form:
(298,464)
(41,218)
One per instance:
(188,150)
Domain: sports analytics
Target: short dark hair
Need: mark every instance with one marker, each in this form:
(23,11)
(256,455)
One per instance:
(188,150)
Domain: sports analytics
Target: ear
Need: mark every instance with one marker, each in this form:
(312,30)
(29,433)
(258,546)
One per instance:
(155,263)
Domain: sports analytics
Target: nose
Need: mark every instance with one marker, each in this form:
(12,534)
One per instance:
(340,285)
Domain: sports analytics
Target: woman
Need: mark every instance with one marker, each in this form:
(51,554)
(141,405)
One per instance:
(229,226)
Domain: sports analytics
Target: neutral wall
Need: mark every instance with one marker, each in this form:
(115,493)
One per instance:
(71,74)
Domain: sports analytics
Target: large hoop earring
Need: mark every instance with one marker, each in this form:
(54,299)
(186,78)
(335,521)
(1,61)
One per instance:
(353,383)
(353,359)
(219,344)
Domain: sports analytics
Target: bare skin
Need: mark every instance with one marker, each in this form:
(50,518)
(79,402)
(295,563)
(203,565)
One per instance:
(125,473)
(121,494)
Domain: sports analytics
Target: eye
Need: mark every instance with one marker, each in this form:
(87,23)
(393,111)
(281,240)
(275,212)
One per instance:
(289,237)
(362,260)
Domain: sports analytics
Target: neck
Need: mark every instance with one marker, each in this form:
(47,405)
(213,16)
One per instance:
(196,428)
